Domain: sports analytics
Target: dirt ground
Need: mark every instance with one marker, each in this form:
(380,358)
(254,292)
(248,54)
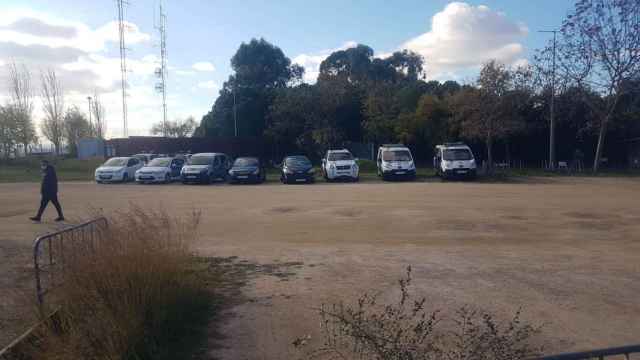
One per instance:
(565,250)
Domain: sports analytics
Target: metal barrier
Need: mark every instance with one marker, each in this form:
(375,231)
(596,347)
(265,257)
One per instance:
(50,251)
(623,351)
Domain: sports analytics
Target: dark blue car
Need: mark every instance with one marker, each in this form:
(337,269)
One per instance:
(247,169)
(296,169)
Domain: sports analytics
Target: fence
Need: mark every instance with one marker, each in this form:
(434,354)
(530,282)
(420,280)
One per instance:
(617,353)
(51,250)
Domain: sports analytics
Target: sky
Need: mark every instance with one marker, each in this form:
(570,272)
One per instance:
(79,40)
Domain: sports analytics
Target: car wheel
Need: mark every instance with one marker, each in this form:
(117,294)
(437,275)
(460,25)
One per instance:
(356,179)
(125,178)
(167,178)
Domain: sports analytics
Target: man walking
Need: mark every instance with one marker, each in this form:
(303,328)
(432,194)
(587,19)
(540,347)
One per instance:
(49,191)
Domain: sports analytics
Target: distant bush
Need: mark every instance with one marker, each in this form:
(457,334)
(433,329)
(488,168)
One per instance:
(135,297)
(367,166)
(408,331)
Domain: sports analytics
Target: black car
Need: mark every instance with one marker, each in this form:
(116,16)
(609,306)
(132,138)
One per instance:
(296,169)
(247,169)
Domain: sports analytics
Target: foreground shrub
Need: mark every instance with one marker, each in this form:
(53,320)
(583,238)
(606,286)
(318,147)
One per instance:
(408,331)
(134,295)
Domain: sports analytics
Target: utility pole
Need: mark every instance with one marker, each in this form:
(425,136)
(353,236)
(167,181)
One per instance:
(162,71)
(123,64)
(552,120)
(90,123)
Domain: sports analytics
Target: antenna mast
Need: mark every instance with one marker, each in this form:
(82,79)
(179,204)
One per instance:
(123,64)
(161,72)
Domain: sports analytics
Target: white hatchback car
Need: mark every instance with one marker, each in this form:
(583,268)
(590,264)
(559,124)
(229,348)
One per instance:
(118,169)
(161,169)
(340,164)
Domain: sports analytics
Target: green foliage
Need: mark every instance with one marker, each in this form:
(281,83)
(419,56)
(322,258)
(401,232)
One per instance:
(76,126)
(260,68)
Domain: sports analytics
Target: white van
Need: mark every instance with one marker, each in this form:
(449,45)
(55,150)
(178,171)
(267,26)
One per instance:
(454,160)
(395,161)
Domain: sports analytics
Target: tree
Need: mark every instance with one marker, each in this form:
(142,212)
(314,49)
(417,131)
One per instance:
(98,126)
(489,111)
(260,69)
(599,48)
(53,106)
(8,129)
(176,128)
(22,102)
(76,126)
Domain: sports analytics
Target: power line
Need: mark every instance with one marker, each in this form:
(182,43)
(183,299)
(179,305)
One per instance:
(162,72)
(123,63)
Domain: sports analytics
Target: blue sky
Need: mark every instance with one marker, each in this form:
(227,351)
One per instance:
(455,39)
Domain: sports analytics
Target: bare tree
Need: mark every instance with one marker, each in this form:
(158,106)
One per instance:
(599,49)
(177,128)
(99,125)
(22,102)
(53,106)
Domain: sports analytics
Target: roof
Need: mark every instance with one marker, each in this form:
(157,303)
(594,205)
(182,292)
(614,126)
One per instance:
(338,150)
(455,145)
(207,154)
(393,146)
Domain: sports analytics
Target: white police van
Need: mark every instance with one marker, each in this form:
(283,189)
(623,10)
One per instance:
(395,161)
(454,160)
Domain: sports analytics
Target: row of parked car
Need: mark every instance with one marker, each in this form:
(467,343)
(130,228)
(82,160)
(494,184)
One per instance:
(393,161)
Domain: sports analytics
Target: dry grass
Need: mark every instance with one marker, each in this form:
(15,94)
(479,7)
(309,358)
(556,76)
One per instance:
(137,296)
(407,330)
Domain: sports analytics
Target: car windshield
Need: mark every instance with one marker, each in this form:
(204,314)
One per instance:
(337,156)
(396,155)
(160,162)
(242,162)
(457,154)
(116,162)
(297,161)
(201,160)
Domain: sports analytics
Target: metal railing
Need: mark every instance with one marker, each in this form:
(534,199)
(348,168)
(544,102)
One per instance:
(51,250)
(618,352)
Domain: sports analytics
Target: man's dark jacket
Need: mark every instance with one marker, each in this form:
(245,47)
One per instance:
(49,186)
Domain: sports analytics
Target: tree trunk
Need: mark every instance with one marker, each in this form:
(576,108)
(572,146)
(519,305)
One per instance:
(489,155)
(599,148)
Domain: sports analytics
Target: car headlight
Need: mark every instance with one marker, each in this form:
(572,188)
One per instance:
(310,171)
(256,172)
(447,164)
(473,164)
(332,166)
(412,165)
(386,166)
(231,172)
(287,171)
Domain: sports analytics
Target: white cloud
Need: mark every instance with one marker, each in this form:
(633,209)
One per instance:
(208,84)
(86,60)
(203,66)
(463,36)
(311,62)
(27,28)
(185,72)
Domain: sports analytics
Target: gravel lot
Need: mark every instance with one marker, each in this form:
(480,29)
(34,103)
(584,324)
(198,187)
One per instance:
(565,250)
